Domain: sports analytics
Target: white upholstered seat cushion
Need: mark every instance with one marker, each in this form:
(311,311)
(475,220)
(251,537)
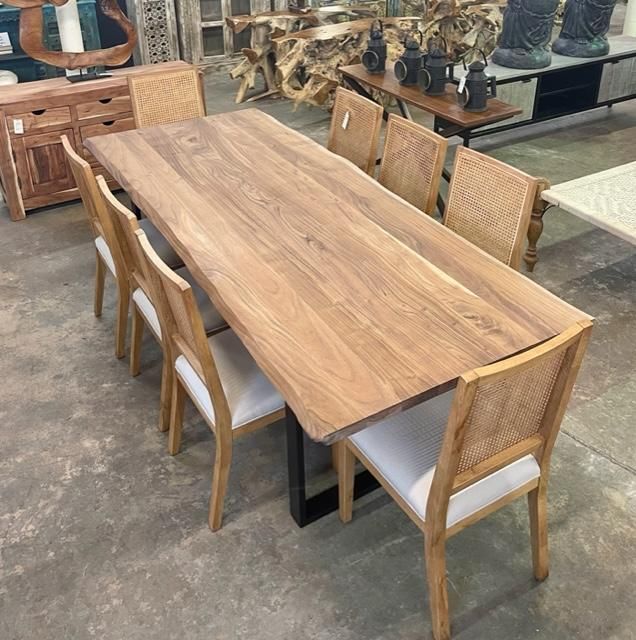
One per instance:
(250,395)
(212,319)
(104,252)
(405,449)
(160,244)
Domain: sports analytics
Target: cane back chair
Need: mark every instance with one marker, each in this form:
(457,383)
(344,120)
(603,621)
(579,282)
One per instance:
(490,204)
(163,98)
(412,162)
(454,459)
(355,129)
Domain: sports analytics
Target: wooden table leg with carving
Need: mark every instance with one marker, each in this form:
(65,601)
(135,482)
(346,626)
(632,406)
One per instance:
(535,229)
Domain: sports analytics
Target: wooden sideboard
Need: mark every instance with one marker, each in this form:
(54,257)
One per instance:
(33,116)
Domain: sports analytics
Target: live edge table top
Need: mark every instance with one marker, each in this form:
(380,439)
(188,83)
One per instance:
(353,303)
(444,107)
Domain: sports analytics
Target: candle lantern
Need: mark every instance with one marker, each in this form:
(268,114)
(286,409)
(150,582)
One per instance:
(408,66)
(437,70)
(374,58)
(472,92)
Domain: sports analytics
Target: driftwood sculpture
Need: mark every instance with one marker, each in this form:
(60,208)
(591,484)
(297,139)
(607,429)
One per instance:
(32,31)
(301,63)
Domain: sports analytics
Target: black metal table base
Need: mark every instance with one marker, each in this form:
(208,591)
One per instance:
(306,510)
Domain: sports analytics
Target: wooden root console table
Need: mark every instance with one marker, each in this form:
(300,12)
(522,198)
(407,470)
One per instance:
(33,116)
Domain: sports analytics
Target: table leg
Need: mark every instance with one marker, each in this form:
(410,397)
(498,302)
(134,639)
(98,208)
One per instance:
(535,228)
(306,510)
(359,89)
(404,109)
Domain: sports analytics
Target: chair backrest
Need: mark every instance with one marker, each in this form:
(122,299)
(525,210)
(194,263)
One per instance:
(161,98)
(490,204)
(505,411)
(180,320)
(100,220)
(355,129)
(412,162)
(125,224)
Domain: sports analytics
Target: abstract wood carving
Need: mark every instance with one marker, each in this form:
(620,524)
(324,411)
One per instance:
(32,30)
(298,54)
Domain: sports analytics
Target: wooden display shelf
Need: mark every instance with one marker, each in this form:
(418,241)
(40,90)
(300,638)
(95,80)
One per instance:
(33,116)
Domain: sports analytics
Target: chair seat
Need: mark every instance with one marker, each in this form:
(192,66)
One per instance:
(212,319)
(104,252)
(249,393)
(160,244)
(405,449)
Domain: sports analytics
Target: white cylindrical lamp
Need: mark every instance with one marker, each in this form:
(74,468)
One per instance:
(68,24)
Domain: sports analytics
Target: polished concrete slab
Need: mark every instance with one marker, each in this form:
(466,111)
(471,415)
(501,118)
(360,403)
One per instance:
(103,535)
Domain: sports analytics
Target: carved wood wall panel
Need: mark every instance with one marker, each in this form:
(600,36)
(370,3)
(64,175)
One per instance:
(156,23)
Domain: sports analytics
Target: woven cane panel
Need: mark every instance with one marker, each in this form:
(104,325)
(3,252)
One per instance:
(353,136)
(508,411)
(486,205)
(164,98)
(409,162)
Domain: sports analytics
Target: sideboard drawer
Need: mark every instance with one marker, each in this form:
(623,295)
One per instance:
(104,107)
(110,126)
(32,121)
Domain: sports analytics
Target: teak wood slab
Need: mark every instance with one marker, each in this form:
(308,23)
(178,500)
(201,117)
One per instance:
(445,106)
(353,302)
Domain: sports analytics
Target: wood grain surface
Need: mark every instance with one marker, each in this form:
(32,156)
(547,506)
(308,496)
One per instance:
(354,303)
(445,106)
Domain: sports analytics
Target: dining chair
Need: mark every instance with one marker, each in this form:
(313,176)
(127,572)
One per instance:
(144,313)
(460,456)
(412,162)
(355,129)
(217,373)
(108,252)
(162,98)
(490,204)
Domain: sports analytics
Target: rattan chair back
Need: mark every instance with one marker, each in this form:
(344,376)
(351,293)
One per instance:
(163,98)
(490,204)
(412,162)
(355,129)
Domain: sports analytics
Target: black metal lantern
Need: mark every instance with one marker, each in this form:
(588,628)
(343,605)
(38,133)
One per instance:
(408,66)
(437,70)
(374,58)
(472,91)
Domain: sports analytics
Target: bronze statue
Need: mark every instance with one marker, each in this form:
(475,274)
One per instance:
(32,29)
(585,27)
(526,32)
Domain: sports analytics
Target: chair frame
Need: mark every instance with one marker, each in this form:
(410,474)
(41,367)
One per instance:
(345,94)
(199,355)
(523,224)
(135,81)
(446,481)
(393,136)
(101,225)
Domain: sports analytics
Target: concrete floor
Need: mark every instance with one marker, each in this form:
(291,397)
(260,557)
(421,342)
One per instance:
(103,535)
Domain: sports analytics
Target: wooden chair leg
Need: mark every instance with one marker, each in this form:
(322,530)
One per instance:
(220,477)
(176,416)
(538,508)
(346,479)
(136,340)
(100,277)
(165,400)
(121,326)
(435,556)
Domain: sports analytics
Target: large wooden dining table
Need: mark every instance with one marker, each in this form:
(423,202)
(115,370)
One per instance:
(355,304)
